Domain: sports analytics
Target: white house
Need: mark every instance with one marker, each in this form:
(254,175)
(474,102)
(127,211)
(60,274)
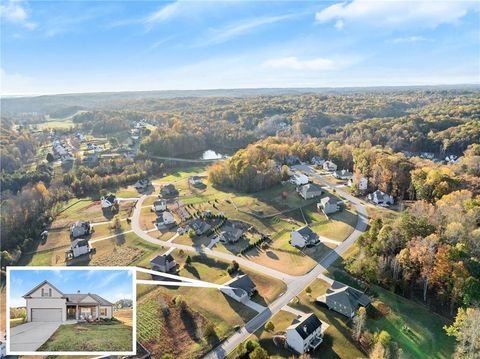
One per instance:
(78,247)
(241,288)
(343,174)
(46,303)
(362,183)
(164,218)
(309,191)
(163,263)
(108,201)
(159,205)
(80,229)
(328,205)
(381,198)
(329,166)
(303,237)
(299,179)
(305,334)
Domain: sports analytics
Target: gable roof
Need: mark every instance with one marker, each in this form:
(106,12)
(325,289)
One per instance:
(310,188)
(77,298)
(79,242)
(40,285)
(328,200)
(349,297)
(243,282)
(162,260)
(306,325)
(307,233)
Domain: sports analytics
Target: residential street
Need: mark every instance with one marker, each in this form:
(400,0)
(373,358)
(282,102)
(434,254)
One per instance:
(295,284)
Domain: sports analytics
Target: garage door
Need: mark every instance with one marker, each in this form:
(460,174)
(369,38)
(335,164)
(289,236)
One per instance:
(46,315)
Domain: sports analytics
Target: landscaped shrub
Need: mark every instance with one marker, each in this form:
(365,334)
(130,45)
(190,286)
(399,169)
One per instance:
(233,267)
(209,330)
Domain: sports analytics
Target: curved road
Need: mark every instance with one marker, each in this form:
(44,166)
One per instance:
(295,284)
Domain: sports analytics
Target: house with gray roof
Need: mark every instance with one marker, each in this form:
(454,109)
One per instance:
(168,190)
(80,229)
(163,263)
(380,198)
(241,288)
(46,303)
(303,237)
(344,299)
(305,333)
(200,227)
(309,191)
(343,174)
(230,234)
(328,205)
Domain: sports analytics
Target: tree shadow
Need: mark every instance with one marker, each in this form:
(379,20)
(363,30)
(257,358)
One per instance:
(193,271)
(189,323)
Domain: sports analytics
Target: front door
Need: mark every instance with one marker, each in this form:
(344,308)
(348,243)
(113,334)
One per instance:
(71,313)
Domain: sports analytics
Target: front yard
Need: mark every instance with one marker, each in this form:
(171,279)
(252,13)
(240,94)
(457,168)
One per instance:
(90,337)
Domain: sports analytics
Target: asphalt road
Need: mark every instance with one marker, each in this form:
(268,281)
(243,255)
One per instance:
(295,284)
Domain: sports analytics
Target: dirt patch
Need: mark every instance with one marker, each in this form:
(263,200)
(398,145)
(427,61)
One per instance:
(378,310)
(165,328)
(120,256)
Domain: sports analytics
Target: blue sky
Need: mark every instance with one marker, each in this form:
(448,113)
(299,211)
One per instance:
(88,46)
(109,284)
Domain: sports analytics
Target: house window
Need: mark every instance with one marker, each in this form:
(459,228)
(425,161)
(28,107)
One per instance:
(103,312)
(49,292)
(45,293)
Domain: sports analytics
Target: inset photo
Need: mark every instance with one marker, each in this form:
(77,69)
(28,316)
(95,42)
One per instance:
(72,310)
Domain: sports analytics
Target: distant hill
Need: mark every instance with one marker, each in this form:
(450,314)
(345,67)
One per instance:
(70,103)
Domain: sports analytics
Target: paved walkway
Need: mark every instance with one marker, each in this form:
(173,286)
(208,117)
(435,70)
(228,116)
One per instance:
(289,309)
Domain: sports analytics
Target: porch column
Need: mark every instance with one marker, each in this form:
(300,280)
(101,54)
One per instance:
(76,313)
(97,308)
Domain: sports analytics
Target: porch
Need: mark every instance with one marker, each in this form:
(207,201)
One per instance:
(82,312)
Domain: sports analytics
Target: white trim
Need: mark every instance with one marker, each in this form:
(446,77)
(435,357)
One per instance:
(132,271)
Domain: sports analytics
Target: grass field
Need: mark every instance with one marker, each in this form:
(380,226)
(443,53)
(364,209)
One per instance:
(56,124)
(417,331)
(122,250)
(124,315)
(90,337)
(208,304)
(337,342)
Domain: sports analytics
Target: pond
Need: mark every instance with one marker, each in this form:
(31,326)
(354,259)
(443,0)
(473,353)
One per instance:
(212,155)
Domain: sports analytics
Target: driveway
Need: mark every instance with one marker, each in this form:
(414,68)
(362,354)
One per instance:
(29,337)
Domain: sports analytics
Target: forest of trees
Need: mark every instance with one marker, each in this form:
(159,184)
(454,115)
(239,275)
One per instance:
(432,248)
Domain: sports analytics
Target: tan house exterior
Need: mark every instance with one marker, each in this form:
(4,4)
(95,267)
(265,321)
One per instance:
(46,303)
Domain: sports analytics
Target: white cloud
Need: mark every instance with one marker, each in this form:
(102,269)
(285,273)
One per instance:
(293,63)
(339,25)
(231,31)
(421,13)
(399,40)
(14,12)
(165,13)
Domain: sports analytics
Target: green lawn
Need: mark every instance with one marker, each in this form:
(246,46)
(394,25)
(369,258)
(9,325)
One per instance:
(337,342)
(90,337)
(417,330)
(56,124)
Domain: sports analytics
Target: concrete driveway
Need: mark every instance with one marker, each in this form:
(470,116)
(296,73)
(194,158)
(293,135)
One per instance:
(30,336)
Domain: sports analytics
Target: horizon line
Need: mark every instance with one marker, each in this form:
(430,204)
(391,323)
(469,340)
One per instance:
(10,96)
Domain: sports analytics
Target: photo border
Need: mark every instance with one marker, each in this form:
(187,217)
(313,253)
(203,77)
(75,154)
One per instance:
(86,268)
